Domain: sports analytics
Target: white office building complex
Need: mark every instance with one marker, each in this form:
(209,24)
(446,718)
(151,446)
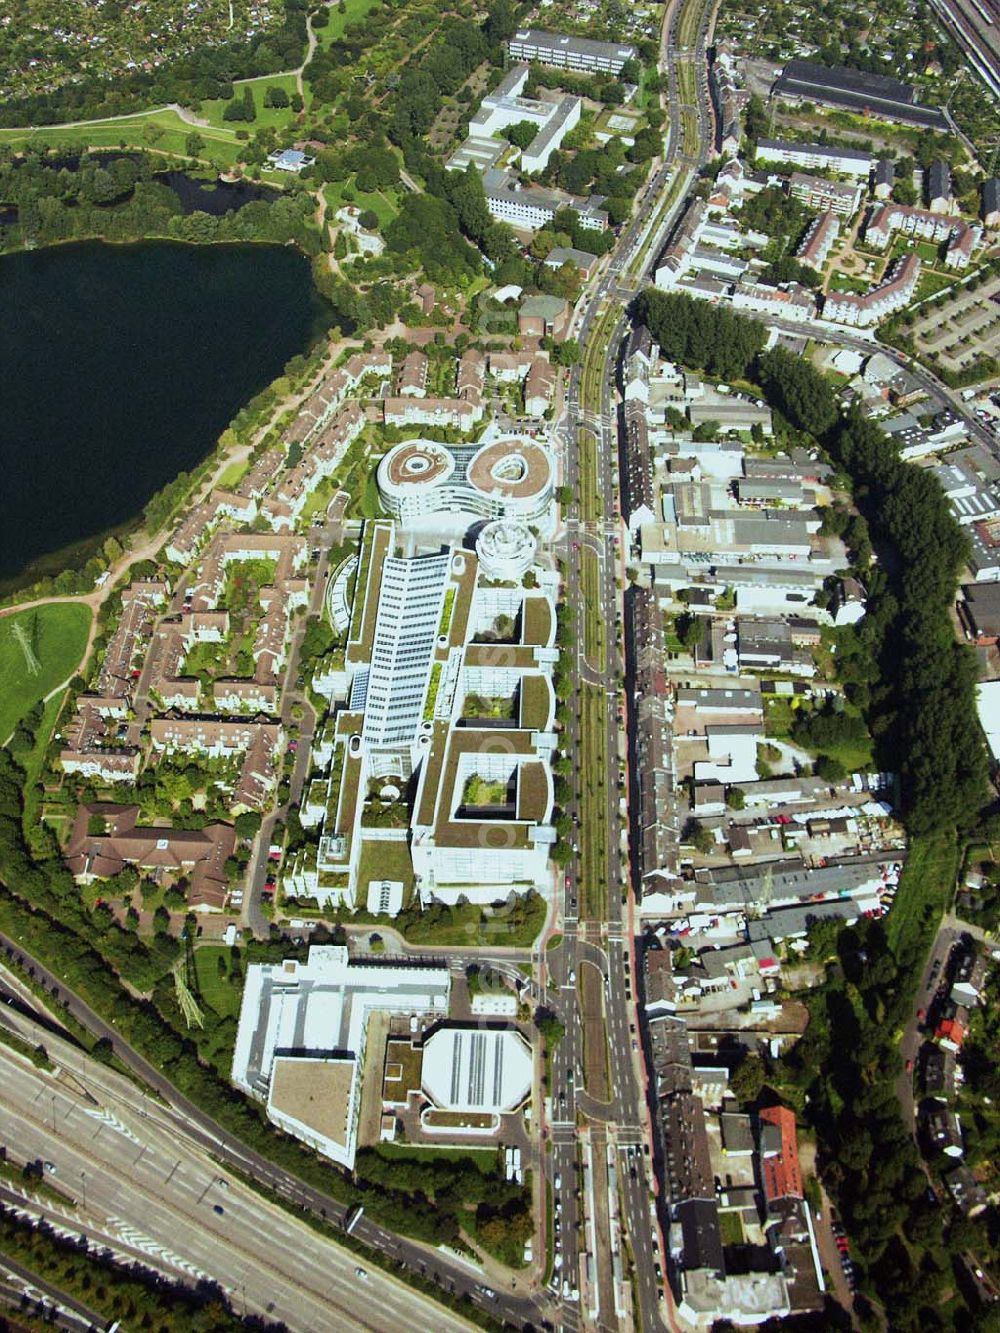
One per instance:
(506,106)
(845,161)
(576,53)
(530,207)
(440,776)
(303,1029)
(441,487)
(506,550)
(406,624)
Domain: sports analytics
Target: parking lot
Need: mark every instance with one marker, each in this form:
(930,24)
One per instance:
(959,331)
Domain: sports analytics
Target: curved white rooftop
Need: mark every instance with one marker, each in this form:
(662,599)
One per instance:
(507,477)
(506,549)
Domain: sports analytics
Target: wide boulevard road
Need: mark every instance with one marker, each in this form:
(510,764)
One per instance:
(608,944)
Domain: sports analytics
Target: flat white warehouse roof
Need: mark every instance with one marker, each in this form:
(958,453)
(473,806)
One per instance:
(477,1069)
(988,704)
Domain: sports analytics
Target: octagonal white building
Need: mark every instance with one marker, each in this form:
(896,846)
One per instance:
(477,1069)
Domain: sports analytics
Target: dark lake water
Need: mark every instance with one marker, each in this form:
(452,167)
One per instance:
(216,197)
(121,366)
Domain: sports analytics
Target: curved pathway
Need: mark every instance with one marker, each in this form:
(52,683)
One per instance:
(310,49)
(185,114)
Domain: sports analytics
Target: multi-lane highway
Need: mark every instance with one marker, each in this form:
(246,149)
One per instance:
(520,1308)
(141,1185)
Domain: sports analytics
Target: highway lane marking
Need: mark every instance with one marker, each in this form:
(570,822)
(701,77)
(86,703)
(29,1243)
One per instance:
(111,1120)
(250,1256)
(132,1236)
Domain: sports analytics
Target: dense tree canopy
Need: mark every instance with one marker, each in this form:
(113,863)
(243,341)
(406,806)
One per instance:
(205,73)
(699,335)
(427,229)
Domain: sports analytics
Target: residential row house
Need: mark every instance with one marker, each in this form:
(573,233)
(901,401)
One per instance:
(96,740)
(886,219)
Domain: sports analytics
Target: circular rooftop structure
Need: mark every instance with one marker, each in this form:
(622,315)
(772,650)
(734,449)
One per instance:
(512,469)
(419,481)
(415,464)
(506,549)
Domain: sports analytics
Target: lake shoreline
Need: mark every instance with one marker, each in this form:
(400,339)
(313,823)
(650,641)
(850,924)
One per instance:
(128,359)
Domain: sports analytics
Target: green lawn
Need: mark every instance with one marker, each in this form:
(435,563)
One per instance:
(929,284)
(267,117)
(731,1228)
(595,770)
(233,474)
(779,719)
(383,203)
(925,889)
(318,501)
(161,129)
(593,622)
(57,634)
(32,764)
(844,282)
(218,992)
(484,1158)
(854,757)
(591,504)
(353,10)
(928,251)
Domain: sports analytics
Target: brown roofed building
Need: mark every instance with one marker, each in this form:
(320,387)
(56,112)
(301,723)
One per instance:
(408,411)
(413,376)
(542,316)
(470,375)
(980,612)
(510,367)
(332,390)
(538,386)
(687,1158)
(88,749)
(199,855)
(780,1168)
(659,977)
(261,474)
